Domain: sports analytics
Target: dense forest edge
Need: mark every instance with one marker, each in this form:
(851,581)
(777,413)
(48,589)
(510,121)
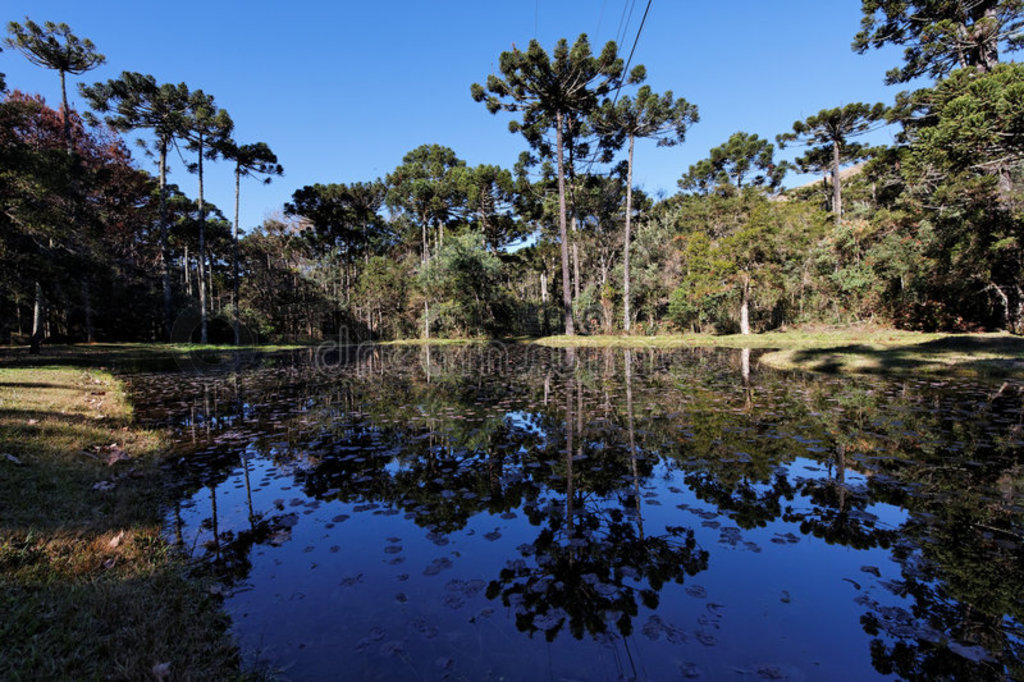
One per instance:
(922,235)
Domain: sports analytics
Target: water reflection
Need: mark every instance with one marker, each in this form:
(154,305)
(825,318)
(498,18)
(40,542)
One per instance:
(525,512)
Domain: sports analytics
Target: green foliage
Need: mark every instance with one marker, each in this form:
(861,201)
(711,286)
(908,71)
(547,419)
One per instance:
(730,245)
(963,171)
(428,187)
(829,131)
(491,205)
(543,89)
(464,278)
(648,115)
(53,46)
(344,220)
(940,35)
(728,167)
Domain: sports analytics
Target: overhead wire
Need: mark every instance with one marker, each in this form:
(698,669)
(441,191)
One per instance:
(625,71)
(620,33)
(618,88)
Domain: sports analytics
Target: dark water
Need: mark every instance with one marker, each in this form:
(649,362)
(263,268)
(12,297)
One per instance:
(523,513)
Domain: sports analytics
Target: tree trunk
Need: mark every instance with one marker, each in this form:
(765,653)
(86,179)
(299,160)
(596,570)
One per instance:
(164,256)
(625,249)
(87,301)
(745,305)
(37,321)
(986,32)
(234,259)
(562,232)
(202,250)
(65,113)
(575,261)
(837,197)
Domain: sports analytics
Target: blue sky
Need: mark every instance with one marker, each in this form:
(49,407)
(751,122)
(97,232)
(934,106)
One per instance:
(342,90)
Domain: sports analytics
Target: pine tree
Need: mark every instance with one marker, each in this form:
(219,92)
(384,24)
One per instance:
(251,160)
(828,134)
(554,92)
(135,101)
(649,115)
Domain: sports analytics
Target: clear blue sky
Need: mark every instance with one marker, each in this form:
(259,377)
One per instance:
(342,90)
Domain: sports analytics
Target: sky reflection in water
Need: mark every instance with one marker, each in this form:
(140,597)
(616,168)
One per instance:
(528,513)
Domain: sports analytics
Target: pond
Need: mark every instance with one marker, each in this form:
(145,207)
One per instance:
(523,513)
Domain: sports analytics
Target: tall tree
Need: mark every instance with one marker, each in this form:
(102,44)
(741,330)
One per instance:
(251,160)
(940,35)
(54,46)
(649,115)
(828,134)
(427,186)
(729,166)
(962,167)
(343,223)
(207,129)
(135,101)
(552,93)
(491,202)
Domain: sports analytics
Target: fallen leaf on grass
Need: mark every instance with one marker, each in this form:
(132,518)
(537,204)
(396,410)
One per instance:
(103,486)
(162,671)
(115,455)
(113,544)
(13,460)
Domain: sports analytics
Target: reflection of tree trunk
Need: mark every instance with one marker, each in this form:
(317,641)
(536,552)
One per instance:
(748,393)
(570,390)
(632,442)
(841,476)
(248,488)
(216,527)
(178,525)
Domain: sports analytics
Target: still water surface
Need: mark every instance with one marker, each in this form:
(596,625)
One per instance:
(523,513)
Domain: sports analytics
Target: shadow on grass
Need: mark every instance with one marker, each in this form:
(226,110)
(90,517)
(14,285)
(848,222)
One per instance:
(1001,356)
(89,589)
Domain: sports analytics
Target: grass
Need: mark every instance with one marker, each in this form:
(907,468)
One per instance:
(974,355)
(878,351)
(88,586)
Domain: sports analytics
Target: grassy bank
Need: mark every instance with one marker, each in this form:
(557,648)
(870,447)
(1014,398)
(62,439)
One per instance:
(877,351)
(88,587)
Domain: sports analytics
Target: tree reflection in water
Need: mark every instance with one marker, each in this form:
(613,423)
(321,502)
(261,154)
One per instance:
(570,441)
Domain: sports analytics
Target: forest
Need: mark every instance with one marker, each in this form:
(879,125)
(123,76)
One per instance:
(924,234)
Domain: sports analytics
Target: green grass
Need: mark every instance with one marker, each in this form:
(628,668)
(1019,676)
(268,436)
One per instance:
(88,586)
(878,351)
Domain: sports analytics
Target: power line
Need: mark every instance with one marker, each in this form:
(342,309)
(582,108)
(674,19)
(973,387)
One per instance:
(620,32)
(600,19)
(625,72)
